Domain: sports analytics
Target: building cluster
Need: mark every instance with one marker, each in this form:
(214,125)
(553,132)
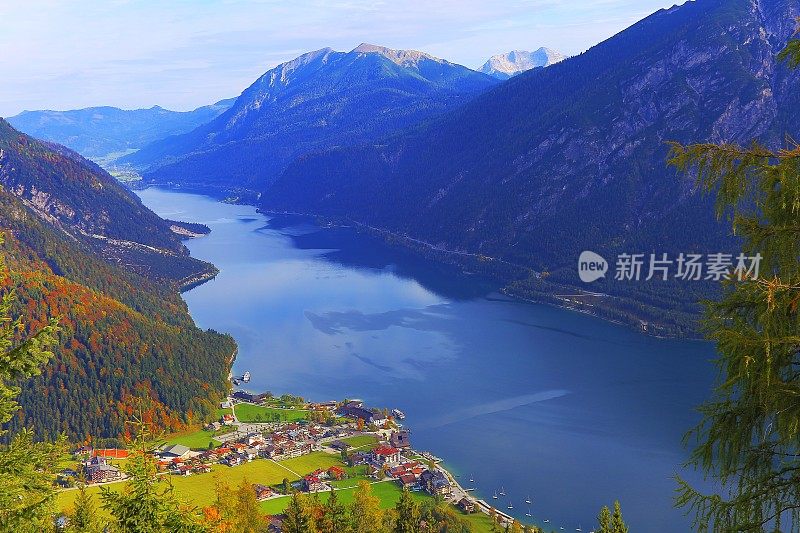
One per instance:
(316,480)
(99,470)
(291,440)
(387,460)
(393,458)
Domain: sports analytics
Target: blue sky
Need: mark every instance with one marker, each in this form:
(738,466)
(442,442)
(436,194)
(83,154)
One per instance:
(180,54)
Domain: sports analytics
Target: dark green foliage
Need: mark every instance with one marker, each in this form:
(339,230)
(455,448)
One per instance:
(298,516)
(124,336)
(611,523)
(749,439)
(27,468)
(791,54)
(334,518)
(443,518)
(84,518)
(408,515)
(604,520)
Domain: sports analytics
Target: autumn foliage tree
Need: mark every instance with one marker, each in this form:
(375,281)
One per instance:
(26,467)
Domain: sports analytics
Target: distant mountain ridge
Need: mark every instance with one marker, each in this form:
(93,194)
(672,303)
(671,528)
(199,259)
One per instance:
(96,132)
(572,157)
(504,66)
(321,99)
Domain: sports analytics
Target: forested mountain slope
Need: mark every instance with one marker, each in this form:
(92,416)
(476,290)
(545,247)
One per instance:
(319,100)
(99,131)
(86,203)
(572,157)
(124,336)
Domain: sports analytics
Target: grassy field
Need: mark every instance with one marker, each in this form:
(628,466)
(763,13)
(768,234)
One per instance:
(195,439)
(388,492)
(361,441)
(306,464)
(480,522)
(199,488)
(246,412)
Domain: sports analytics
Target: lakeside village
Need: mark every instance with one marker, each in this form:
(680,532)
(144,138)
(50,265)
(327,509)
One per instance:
(372,439)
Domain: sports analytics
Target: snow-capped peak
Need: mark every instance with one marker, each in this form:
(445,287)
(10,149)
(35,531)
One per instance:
(504,66)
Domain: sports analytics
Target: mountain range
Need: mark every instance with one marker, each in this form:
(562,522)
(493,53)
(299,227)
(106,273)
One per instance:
(504,66)
(84,250)
(98,132)
(519,175)
(572,157)
(319,100)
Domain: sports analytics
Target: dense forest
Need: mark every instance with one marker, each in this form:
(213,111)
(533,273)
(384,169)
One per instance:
(126,337)
(123,335)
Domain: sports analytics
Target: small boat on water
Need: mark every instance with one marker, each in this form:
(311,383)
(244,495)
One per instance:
(510,505)
(529,512)
(246,376)
(528,500)
(502,491)
(494,496)
(398,414)
(546,520)
(471,480)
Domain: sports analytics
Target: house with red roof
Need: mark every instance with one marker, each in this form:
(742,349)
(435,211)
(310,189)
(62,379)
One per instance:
(337,473)
(313,484)
(263,492)
(385,455)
